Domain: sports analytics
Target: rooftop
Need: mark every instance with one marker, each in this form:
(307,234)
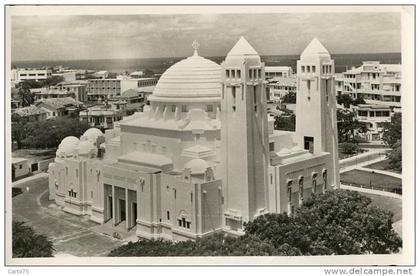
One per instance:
(29,111)
(60,102)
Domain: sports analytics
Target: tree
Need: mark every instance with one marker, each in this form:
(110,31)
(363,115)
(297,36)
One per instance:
(26,243)
(348,125)
(54,80)
(392,136)
(338,222)
(48,133)
(289,97)
(392,130)
(345,99)
(349,148)
(285,122)
(19,130)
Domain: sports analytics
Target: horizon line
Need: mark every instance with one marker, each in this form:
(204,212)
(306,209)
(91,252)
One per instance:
(176,57)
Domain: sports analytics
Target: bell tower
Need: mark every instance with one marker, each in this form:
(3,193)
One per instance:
(316,123)
(244,136)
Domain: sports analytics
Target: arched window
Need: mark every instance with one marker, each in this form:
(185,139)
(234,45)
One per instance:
(301,187)
(325,179)
(314,182)
(289,190)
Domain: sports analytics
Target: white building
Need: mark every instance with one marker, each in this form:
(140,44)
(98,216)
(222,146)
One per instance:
(376,83)
(20,168)
(278,72)
(278,87)
(374,116)
(21,74)
(204,156)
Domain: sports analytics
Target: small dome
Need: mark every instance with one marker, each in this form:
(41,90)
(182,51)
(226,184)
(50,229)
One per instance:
(193,77)
(92,134)
(197,166)
(68,146)
(85,147)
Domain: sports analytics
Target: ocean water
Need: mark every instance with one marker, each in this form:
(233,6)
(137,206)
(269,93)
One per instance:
(159,65)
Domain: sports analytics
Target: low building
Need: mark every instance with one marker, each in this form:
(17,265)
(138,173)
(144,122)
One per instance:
(59,107)
(278,87)
(101,74)
(103,88)
(374,116)
(137,74)
(278,72)
(104,115)
(31,113)
(20,74)
(20,168)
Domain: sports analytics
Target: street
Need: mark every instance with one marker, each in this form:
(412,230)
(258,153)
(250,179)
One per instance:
(70,234)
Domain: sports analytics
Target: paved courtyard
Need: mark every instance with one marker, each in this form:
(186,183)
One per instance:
(71,235)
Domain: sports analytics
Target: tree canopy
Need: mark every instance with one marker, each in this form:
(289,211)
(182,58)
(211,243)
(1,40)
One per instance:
(289,97)
(47,133)
(348,126)
(392,137)
(26,243)
(338,222)
(285,122)
(346,100)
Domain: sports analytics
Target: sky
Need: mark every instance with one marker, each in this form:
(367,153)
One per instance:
(78,37)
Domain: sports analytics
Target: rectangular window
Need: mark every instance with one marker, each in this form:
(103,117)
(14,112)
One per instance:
(91,194)
(313,68)
(168,215)
(308,143)
(175,193)
(183,222)
(371,113)
(303,69)
(173,108)
(209,108)
(250,73)
(271,146)
(179,222)
(20,167)
(308,85)
(233,74)
(308,68)
(227,74)
(259,73)
(239,74)
(188,225)
(184,108)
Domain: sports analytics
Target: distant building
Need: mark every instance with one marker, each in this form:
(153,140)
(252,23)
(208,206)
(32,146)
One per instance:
(19,75)
(137,74)
(58,107)
(109,88)
(278,87)
(374,116)
(101,74)
(31,113)
(104,115)
(278,72)
(67,75)
(374,82)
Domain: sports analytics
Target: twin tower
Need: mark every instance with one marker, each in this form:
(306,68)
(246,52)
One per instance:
(245,137)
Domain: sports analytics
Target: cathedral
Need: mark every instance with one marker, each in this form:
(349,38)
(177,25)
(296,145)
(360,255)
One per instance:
(204,155)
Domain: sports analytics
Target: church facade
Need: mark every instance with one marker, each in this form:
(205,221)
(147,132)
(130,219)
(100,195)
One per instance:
(204,155)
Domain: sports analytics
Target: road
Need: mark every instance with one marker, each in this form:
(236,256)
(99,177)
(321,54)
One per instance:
(71,235)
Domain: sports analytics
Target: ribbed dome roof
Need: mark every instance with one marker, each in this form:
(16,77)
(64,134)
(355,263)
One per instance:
(85,147)
(193,77)
(92,134)
(68,145)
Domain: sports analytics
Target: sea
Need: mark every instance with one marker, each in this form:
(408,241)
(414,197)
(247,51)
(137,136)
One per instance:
(159,65)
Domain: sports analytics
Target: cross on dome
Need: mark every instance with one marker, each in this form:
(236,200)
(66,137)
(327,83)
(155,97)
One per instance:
(195,46)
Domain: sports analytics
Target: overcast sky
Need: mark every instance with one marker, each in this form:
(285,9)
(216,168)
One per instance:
(142,36)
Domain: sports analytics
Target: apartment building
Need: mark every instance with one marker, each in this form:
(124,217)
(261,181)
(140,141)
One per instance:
(376,83)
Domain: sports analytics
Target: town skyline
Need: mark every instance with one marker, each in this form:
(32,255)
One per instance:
(87,37)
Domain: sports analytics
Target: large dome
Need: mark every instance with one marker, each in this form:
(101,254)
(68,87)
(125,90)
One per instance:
(193,77)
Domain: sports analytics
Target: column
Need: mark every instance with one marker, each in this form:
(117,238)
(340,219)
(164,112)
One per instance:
(114,213)
(127,214)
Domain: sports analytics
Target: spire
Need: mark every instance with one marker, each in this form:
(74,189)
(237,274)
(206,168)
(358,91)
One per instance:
(314,48)
(195,46)
(242,48)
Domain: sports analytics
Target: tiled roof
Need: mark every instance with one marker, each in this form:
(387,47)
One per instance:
(29,111)
(60,102)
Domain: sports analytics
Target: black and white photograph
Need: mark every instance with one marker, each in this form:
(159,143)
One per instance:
(242,135)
